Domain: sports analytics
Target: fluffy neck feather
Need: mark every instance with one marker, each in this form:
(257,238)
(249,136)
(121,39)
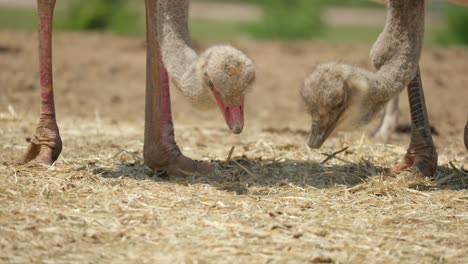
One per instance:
(397,51)
(182,62)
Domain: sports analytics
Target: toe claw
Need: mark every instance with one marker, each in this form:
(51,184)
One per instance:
(421,164)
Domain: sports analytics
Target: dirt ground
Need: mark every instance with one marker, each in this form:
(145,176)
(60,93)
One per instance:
(275,202)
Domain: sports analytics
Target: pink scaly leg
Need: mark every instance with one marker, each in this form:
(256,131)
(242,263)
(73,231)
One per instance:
(160,149)
(46,145)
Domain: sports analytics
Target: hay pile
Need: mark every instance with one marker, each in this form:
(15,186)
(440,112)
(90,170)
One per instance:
(273,201)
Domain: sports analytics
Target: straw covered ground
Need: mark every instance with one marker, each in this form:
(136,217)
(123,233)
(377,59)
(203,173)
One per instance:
(274,200)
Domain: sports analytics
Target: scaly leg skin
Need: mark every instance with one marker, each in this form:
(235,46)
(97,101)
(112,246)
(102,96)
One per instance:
(45,145)
(160,149)
(389,121)
(421,158)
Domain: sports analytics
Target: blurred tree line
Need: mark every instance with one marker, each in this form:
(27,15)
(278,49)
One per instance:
(283,19)
(457,20)
(118,16)
(291,19)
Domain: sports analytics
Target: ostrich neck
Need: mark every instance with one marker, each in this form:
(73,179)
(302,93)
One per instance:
(181,61)
(398,49)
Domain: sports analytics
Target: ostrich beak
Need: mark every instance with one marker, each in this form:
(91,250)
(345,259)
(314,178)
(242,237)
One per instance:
(233,114)
(322,128)
(319,134)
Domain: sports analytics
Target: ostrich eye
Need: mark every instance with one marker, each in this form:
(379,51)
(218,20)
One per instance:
(208,81)
(340,104)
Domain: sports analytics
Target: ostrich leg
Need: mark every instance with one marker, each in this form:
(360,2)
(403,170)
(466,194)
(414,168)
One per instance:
(160,150)
(389,121)
(45,145)
(421,156)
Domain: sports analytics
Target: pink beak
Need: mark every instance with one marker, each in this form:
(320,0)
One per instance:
(234,115)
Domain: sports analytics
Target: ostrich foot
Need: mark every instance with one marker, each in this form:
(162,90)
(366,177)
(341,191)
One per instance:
(424,164)
(46,144)
(383,133)
(172,161)
(185,166)
(389,121)
(386,128)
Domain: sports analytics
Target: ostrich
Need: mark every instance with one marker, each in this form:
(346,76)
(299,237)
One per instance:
(389,121)
(344,95)
(221,75)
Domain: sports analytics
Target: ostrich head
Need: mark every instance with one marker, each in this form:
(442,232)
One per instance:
(228,74)
(336,95)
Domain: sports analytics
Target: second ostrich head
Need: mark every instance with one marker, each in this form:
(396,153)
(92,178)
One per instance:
(336,95)
(228,74)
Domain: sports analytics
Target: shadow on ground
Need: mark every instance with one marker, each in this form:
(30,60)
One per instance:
(239,175)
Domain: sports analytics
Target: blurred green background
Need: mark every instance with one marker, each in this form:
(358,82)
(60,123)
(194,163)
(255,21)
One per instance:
(323,20)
